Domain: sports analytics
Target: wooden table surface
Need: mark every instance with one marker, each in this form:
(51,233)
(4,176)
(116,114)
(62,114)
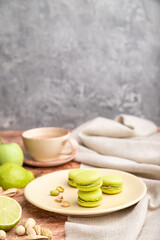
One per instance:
(53,221)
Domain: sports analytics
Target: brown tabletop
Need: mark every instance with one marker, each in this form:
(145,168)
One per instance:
(53,221)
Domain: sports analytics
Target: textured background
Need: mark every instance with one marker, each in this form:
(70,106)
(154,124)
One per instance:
(67,61)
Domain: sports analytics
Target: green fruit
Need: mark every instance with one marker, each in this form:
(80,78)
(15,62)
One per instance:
(11,152)
(30,176)
(14,176)
(11,213)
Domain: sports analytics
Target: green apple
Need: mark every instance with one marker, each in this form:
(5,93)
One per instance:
(10,152)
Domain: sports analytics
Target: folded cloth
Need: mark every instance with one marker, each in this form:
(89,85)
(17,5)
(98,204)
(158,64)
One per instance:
(134,147)
(130,144)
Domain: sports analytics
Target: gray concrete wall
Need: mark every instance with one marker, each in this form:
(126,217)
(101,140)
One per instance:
(67,61)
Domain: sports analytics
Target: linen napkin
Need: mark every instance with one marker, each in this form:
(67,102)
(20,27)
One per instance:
(129,144)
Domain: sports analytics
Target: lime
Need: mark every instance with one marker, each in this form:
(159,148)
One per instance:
(30,176)
(14,176)
(10,213)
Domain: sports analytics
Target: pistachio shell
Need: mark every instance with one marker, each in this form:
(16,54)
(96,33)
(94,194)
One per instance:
(66,204)
(30,222)
(47,232)
(10,192)
(60,189)
(59,198)
(38,229)
(30,231)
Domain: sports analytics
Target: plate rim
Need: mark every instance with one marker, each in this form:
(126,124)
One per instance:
(97,212)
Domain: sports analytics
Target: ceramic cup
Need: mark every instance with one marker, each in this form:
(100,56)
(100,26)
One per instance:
(45,144)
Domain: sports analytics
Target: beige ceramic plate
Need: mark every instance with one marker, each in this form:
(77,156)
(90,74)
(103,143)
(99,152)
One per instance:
(37,193)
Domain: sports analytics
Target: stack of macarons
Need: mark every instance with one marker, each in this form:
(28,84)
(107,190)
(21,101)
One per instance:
(88,182)
(91,185)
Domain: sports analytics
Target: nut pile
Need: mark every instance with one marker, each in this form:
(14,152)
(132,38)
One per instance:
(33,231)
(59,197)
(11,192)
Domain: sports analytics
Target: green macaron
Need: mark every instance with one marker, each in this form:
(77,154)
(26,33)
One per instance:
(112,184)
(72,175)
(89,180)
(90,199)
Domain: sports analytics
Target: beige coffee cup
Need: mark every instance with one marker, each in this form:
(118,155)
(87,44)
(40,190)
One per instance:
(47,143)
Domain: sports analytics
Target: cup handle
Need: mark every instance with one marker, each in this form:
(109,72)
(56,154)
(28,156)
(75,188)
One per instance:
(74,146)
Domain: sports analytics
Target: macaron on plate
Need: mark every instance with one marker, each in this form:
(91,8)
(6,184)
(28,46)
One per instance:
(88,181)
(90,199)
(72,174)
(112,184)
(37,192)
